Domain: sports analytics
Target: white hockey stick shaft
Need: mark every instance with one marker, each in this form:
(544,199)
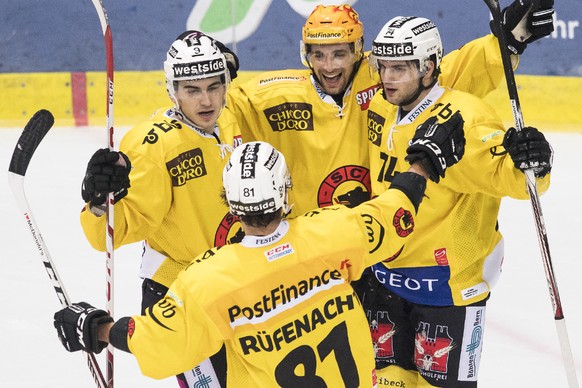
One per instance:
(17,185)
(568,359)
(109,233)
(31,137)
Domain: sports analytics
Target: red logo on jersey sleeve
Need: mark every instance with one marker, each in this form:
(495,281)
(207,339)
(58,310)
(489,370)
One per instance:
(440,255)
(403,222)
(130,327)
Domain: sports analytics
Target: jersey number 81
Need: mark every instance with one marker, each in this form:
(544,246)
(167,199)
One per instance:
(305,356)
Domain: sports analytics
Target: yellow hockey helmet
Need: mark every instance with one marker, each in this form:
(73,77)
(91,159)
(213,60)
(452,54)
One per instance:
(333,24)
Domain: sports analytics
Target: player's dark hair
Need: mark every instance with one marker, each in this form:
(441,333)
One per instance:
(261,220)
(437,70)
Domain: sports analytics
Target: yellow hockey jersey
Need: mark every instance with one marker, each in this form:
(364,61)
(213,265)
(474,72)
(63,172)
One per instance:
(325,144)
(174,200)
(456,254)
(282,303)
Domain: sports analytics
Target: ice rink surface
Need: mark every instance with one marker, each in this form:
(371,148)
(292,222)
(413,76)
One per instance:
(521,346)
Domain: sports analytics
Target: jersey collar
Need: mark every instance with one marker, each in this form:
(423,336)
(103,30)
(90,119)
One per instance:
(435,93)
(261,241)
(328,99)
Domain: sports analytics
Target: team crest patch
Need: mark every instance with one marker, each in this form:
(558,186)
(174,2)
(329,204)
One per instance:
(403,222)
(432,348)
(347,185)
(229,231)
(382,330)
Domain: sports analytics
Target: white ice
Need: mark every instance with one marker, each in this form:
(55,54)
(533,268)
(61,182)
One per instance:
(521,347)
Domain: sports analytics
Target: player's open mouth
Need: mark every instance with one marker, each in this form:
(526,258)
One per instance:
(331,79)
(390,91)
(206,114)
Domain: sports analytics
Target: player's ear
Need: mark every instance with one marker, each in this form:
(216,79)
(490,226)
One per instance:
(429,72)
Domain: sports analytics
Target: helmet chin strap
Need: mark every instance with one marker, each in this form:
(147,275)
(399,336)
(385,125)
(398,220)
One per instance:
(421,88)
(287,207)
(189,122)
(185,118)
(182,115)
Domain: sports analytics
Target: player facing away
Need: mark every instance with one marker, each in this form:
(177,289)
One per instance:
(426,306)
(280,301)
(317,116)
(174,161)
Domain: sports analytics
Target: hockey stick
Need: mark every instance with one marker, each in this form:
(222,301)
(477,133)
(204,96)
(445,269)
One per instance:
(493,6)
(104,20)
(33,133)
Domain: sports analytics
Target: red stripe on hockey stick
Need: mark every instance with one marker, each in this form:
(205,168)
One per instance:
(107,36)
(79,94)
(552,284)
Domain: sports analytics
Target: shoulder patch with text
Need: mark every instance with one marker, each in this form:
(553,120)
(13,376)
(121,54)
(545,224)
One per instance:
(290,116)
(188,165)
(375,124)
(363,97)
(163,126)
(278,252)
(290,78)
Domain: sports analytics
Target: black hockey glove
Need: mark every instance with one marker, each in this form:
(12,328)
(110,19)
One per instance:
(104,175)
(529,149)
(538,23)
(231,59)
(77,327)
(437,146)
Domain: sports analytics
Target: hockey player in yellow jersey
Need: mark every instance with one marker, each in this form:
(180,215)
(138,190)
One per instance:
(281,300)
(317,116)
(426,307)
(176,160)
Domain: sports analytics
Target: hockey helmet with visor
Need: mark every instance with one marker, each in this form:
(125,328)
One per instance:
(194,56)
(406,38)
(332,24)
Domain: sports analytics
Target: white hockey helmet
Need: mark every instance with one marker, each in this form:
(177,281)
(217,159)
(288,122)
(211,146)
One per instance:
(256,180)
(406,38)
(192,56)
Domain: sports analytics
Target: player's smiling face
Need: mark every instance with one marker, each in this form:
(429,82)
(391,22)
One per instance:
(332,64)
(201,101)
